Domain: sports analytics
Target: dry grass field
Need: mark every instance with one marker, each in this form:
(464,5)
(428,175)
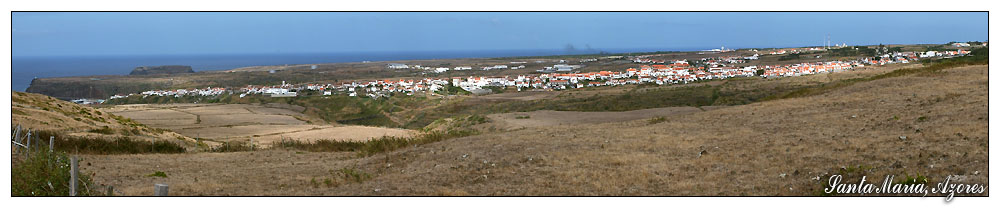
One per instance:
(927,124)
(262,123)
(546,118)
(39,112)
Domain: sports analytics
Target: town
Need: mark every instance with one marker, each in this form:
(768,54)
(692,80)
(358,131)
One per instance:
(660,72)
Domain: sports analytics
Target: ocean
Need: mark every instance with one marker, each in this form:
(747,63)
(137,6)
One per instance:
(24,69)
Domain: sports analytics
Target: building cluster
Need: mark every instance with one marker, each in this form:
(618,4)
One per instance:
(801,50)
(373,88)
(560,76)
(648,59)
(84,101)
(809,68)
(931,54)
(208,91)
(680,71)
(560,68)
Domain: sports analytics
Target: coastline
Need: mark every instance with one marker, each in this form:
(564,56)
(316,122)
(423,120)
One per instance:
(24,68)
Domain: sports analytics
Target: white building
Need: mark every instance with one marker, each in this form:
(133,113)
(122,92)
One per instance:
(397,66)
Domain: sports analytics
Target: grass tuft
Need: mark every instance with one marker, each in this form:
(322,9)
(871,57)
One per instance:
(658,119)
(160,174)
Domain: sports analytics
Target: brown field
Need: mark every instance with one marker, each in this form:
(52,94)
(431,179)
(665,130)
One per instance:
(262,123)
(931,124)
(557,118)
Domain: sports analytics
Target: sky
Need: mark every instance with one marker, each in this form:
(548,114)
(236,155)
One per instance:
(191,33)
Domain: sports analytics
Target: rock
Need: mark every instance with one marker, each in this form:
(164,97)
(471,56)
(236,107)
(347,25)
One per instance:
(902,137)
(167,69)
(782,175)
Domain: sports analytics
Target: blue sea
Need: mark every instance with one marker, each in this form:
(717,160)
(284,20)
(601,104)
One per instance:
(24,68)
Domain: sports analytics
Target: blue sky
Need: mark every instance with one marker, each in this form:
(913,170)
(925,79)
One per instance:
(48,34)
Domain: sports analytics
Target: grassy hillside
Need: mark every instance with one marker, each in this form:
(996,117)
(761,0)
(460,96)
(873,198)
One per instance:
(69,122)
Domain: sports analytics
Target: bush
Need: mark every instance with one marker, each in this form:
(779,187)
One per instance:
(119,145)
(160,174)
(234,146)
(351,174)
(46,173)
(103,130)
(911,180)
(373,146)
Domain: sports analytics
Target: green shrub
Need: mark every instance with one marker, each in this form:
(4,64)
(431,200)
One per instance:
(118,145)
(46,173)
(351,174)
(911,180)
(160,174)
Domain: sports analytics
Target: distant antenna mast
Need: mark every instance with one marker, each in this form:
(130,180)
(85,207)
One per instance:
(828,41)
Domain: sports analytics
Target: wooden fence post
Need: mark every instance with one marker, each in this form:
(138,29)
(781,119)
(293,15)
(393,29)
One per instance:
(160,190)
(73,174)
(17,133)
(27,148)
(52,143)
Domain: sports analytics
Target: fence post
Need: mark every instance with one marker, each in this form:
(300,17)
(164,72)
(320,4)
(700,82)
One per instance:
(17,134)
(73,174)
(52,143)
(27,148)
(160,190)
